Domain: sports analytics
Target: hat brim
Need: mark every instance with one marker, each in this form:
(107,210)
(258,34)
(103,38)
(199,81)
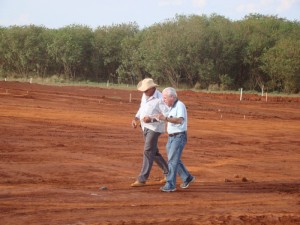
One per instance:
(145,88)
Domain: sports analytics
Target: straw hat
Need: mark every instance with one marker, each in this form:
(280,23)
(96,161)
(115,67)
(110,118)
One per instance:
(146,84)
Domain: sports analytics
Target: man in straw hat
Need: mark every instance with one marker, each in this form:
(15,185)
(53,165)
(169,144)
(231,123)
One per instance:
(151,105)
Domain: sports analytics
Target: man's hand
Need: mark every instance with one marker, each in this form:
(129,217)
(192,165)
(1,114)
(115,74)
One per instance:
(135,122)
(147,119)
(161,117)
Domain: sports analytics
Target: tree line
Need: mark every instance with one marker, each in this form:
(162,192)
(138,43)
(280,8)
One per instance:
(205,52)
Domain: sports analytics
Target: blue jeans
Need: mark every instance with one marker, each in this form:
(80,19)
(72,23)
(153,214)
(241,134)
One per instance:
(151,154)
(174,148)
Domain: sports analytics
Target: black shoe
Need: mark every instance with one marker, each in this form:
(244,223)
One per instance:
(187,183)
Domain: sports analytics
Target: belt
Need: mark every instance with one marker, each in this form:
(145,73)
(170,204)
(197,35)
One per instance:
(174,134)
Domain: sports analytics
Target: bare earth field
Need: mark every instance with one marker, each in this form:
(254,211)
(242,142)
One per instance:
(69,154)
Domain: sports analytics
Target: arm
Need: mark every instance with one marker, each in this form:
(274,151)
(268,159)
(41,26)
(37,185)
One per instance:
(135,122)
(176,120)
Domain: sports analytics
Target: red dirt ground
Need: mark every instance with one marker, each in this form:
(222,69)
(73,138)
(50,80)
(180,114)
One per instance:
(69,154)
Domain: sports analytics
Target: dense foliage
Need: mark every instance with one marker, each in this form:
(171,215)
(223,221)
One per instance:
(195,51)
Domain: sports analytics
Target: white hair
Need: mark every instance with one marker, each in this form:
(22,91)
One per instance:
(170,92)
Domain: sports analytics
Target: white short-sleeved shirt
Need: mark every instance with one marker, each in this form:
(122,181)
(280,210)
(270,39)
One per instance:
(152,106)
(178,110)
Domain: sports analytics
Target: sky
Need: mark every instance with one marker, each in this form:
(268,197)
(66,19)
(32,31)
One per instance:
(94,13)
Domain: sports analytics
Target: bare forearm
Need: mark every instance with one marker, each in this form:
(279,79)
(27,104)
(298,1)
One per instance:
(176,120)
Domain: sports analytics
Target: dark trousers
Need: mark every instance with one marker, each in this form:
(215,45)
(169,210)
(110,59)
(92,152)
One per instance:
(151,153)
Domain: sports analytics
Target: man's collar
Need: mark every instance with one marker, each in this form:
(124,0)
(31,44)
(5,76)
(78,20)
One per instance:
(174,104)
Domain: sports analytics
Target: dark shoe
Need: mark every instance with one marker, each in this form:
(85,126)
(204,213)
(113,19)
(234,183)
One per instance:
(138,184)
(167,190)
(187,183)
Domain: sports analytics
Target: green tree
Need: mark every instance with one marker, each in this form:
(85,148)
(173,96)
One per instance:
(185,50)
(262,33)
(23,50)
(282,64)
(224,48)
(109,50)
(130,70)
(172,51)
(71,48)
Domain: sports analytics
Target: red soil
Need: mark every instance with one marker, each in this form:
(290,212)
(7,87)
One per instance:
(69,154)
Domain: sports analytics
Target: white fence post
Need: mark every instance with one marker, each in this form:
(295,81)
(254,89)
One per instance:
(241,95)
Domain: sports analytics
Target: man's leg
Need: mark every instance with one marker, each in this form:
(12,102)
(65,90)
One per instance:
(160,161)
(174,150)
(150,149)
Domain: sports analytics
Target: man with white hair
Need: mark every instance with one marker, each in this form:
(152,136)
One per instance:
(177,130)
(151,105)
